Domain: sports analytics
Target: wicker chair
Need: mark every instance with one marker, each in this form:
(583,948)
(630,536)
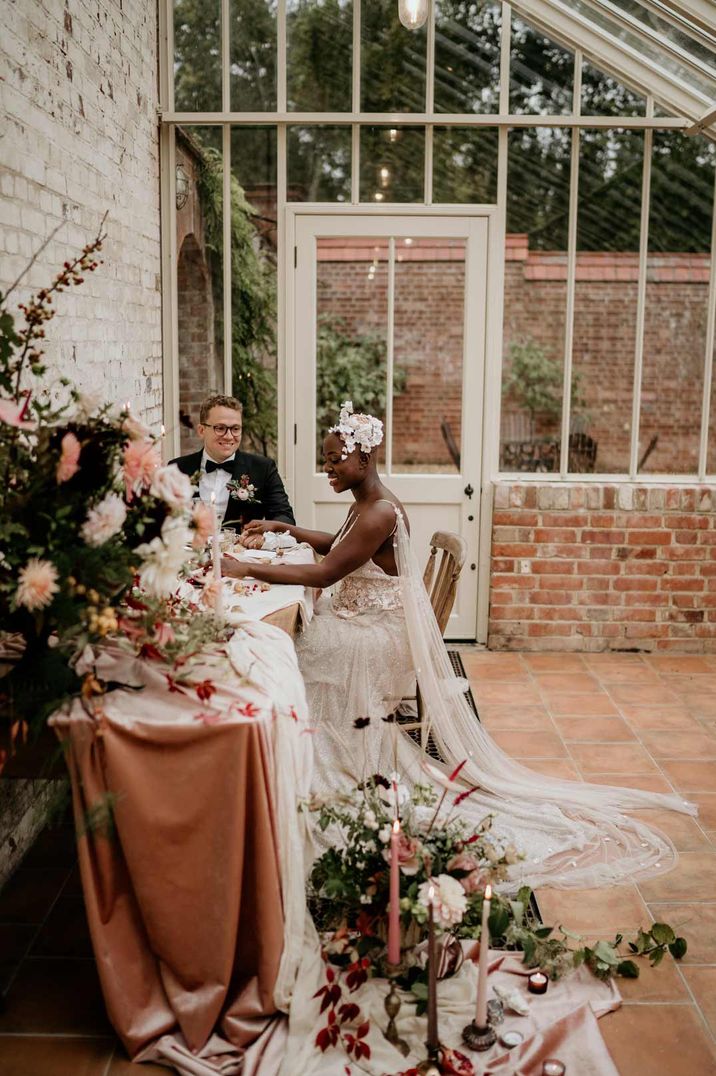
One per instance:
(440,577)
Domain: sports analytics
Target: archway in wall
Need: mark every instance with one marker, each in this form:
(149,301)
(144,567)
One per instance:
(200,371)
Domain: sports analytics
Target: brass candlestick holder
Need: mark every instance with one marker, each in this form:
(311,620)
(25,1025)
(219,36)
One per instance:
(478,1038)
(431,1066)
(392,1005)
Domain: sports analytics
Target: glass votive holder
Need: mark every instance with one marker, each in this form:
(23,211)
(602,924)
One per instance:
(537,983)
(495,1012)
(511,1038)
(553,1067)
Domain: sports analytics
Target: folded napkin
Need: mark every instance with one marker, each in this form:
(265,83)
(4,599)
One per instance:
(279,540)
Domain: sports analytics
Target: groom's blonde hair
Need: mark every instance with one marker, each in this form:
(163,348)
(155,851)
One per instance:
(217,400)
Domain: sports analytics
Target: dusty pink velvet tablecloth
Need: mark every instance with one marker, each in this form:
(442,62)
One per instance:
(184,898)
(184,906)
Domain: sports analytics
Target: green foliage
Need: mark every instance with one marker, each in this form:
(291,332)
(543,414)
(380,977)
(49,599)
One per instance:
(350,367)
(253,302)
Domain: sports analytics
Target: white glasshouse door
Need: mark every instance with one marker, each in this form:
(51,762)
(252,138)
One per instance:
(389,309)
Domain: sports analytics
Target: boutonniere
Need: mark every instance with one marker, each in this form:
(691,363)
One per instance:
(243,489)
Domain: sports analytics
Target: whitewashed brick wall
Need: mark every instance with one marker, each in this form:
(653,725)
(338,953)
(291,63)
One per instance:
(78,136)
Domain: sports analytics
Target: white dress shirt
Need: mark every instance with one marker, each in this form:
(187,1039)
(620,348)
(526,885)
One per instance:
(216,483)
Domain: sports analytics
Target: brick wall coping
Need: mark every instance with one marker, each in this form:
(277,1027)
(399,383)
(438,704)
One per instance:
(606,266)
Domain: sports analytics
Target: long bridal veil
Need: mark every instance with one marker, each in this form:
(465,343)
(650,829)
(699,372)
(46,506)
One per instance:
(572,833)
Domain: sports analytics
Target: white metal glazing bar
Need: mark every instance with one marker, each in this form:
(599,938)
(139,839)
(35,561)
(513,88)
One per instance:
(390,359)
(641,297)
(571,269)
(422,119)
(429,105)
(281,95)
(709,352)
(226,256)
(226,55)
(355,105)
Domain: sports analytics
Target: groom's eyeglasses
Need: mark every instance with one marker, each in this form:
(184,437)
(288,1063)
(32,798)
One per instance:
(220,429)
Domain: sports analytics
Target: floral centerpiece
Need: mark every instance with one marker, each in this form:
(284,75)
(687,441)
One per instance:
(436,847)
(349,898)
(86,510)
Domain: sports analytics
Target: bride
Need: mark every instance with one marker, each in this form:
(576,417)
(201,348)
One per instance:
(363,651)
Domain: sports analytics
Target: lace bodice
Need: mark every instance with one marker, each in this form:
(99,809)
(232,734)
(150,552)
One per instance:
(368,589)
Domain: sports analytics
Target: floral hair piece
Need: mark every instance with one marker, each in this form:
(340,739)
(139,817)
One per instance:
(365,431)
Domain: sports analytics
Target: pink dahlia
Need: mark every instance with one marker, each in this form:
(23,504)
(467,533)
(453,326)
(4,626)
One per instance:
(139,462)
(37,584)
(69,462)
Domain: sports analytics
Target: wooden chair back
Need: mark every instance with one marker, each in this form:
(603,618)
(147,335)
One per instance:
(442,573)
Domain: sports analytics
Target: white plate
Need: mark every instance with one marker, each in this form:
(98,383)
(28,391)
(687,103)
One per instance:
(257,554)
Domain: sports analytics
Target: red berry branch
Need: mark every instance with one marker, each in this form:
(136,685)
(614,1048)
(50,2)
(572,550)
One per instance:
(342,1013)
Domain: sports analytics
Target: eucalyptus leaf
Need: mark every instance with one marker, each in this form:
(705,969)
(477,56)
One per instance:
(662,934)
(678,948)
(628,969)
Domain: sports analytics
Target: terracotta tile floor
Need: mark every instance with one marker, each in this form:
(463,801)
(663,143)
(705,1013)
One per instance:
(647,722)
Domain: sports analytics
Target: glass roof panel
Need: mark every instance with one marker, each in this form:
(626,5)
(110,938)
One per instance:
(701,46)
(703,80)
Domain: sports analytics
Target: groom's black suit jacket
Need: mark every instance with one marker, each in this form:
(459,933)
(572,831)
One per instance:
(273,502)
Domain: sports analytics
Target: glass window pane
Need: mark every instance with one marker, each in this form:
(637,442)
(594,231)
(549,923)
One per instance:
(467,57)
(603,95)
(682,185)
(392,61)
(428,354)
(319,164)
(319,55)
(392,164)
(538,185)
(197,56)
(465,164)
(253,282)
(541,73)
(253,55)
(535,299)
(650,18)
(199,245)
(351,329)
(605,305)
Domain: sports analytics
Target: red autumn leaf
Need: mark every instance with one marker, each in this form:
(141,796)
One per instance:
(293,714)
(349,1042)
(205,689)
(364,923)
(330,974)
(363,1030)
(208,717)
(249,710)
(321,992)
(335,994)
(325,1003)
(173,686)
(362,1050)
(348,1011)
(331,1017)
(150,651)
(324,1039)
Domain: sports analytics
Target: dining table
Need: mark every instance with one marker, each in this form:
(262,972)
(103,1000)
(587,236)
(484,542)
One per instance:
(190,843)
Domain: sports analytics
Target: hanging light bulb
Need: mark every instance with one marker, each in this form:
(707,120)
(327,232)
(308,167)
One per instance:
(384,176)
(413,13)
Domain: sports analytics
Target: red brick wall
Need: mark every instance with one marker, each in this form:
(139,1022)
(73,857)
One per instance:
(603,567)
(429,308)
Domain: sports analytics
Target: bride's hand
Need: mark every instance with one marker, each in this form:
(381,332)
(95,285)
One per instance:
(235,568)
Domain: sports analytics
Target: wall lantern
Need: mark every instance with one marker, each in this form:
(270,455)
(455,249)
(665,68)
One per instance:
(182,187)
(413,13)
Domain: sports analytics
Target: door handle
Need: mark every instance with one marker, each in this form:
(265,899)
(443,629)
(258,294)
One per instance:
(469,490)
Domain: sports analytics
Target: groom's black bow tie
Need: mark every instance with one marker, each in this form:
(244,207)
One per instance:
(211,466)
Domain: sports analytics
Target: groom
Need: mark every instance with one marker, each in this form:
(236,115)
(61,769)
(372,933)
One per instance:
(246,486)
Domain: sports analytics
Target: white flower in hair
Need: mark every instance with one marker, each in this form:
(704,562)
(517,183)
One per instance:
(362,430)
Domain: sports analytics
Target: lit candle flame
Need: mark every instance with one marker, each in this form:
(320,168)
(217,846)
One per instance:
(213,497)
(396,826)
(163,430)
(431,893)
(488,892)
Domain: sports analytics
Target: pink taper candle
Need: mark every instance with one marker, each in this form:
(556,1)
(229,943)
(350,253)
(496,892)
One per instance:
(394,908)
(216,560)
(481,1012)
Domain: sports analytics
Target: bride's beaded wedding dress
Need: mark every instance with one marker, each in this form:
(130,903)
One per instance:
(360,656)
